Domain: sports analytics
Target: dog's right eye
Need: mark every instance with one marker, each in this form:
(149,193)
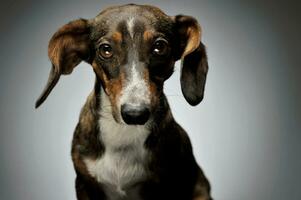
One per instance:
(105,51)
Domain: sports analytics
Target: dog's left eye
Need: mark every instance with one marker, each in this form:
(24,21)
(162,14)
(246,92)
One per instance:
(105,51)
(160,47)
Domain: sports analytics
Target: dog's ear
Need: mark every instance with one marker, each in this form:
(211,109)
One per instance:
(193,57)
(67,48)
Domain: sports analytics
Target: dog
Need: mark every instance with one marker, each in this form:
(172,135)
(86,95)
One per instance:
(127,145)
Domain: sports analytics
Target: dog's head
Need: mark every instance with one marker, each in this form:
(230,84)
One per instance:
(132,49)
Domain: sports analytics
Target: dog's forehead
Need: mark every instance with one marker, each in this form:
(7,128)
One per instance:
(110,18)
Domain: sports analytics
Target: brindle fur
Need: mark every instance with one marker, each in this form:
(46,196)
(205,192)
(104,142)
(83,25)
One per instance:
(172,169)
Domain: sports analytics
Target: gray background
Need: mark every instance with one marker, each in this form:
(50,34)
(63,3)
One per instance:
(245,134)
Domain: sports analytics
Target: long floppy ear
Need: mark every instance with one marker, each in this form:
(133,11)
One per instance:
(194,59)
(67,48)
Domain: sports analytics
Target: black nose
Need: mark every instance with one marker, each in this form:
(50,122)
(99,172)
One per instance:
(135,114)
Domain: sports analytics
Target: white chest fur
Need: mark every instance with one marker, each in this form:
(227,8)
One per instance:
(123,162)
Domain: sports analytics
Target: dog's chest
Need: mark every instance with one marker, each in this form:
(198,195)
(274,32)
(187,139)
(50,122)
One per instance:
(123,163)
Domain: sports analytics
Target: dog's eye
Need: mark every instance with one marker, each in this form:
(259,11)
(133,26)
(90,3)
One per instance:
(105,51)
(160,47)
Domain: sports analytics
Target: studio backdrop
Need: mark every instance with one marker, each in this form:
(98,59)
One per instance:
(245,134)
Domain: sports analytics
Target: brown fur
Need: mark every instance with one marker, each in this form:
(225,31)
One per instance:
(171,167)
(117,37)
(64,39)
(147,35)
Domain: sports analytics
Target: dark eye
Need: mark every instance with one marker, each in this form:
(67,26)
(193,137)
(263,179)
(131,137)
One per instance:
(105,51)
(160,47)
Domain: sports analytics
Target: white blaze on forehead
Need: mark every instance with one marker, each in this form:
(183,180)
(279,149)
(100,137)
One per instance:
(130,24)
(136,90)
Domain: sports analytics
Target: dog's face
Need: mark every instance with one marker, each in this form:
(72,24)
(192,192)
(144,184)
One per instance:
(132,50)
